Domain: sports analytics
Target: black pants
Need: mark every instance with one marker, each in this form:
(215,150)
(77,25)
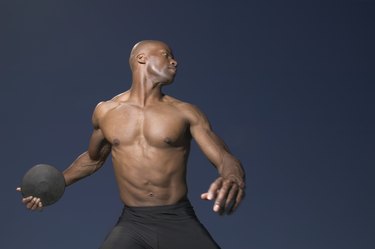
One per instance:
(162,227)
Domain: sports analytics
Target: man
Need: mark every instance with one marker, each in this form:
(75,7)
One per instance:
(149,136)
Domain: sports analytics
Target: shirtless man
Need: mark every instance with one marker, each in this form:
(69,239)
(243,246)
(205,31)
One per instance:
(149,136)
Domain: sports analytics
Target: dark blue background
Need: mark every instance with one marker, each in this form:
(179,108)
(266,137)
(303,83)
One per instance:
(289,85)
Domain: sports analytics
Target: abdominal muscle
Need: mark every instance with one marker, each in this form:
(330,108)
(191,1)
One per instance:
(150,176)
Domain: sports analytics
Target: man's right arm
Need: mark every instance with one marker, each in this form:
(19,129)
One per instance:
(90,161)
(94,158)
(87,163)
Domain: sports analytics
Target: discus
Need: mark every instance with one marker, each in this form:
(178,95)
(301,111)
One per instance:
(45,182)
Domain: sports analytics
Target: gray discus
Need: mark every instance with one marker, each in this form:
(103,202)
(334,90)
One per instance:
(45,182)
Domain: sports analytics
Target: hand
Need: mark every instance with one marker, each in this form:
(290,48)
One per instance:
(31,203)
(227,192)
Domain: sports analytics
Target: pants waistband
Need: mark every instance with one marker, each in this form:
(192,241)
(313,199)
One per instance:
(181,210)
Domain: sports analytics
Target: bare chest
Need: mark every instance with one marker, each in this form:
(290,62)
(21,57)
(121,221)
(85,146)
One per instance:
(157,126)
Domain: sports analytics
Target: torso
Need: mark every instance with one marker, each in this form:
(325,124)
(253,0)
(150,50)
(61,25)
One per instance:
(150,147)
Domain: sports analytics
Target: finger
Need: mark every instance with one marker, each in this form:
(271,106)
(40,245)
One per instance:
(36,204)
(39,207)
(230,201)
(30,204)
(204,196)
(240,196)
(27,199)
(214,187)
(221,197)
(18,189)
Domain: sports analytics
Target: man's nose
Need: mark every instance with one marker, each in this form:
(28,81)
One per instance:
(173,62)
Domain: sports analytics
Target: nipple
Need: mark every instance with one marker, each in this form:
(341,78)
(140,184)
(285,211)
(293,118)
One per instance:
(167,140)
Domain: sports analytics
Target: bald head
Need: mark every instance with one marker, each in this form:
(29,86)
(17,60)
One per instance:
(143,47)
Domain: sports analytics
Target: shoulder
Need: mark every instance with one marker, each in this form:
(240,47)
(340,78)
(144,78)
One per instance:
(103,107)
(190,111)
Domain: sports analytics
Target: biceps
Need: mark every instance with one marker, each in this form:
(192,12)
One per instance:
(99,147)
(211,144)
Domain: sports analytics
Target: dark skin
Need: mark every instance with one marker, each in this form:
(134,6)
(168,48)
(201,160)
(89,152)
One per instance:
(149,135)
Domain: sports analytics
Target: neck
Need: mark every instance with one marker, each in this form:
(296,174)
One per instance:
(144,90)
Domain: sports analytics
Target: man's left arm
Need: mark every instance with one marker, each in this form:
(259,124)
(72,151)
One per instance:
(228,189)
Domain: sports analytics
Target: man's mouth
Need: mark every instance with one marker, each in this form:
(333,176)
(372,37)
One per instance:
(174,69)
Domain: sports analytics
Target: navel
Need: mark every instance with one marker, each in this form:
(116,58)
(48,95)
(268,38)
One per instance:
(116,142)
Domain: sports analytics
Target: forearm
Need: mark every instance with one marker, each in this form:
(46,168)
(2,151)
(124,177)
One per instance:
(83,166)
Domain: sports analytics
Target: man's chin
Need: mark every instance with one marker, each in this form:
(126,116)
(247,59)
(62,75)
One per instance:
(168,81)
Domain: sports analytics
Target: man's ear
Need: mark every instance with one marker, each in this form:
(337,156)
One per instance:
(141,58)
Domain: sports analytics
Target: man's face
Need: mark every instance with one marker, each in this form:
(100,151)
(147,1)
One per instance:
(160,63)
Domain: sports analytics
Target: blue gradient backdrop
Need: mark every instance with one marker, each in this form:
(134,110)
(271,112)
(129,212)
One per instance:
(289,85)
